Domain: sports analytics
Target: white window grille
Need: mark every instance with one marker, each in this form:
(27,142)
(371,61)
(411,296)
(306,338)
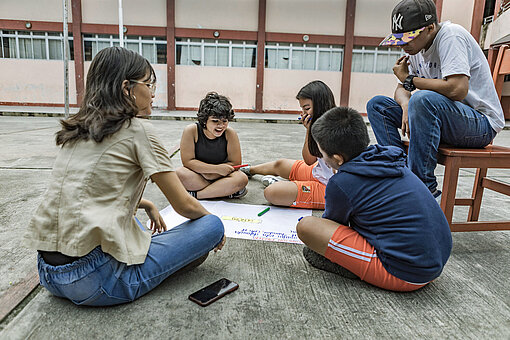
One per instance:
(304,56)
(375,59)
(209,52)
(33,45)
(152,48)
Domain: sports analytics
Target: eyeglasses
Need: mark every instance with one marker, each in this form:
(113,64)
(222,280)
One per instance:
(151,86)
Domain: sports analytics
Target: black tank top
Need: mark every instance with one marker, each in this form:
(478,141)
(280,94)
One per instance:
(211,151)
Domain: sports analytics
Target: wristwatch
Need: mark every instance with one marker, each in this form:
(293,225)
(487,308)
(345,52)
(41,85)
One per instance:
(408,83)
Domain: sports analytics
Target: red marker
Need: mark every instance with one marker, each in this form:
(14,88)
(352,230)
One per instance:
(236,167)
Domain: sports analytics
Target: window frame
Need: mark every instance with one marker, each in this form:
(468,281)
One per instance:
(114,40)
(377,51)
(30,35)
(203,43)
(316,48)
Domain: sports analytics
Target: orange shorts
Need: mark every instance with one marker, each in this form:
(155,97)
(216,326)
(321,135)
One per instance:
(352,251)
(311,192)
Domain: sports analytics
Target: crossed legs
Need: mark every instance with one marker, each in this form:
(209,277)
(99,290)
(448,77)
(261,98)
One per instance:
(212,186)
(346,247)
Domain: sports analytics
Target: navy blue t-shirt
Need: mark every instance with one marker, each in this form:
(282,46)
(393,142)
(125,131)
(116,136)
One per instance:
(379,197)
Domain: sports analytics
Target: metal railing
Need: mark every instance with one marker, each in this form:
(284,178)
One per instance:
(505,5)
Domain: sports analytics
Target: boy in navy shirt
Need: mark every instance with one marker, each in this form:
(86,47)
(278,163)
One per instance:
(369,227)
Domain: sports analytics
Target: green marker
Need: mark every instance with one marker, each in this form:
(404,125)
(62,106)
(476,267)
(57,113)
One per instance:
(263,211)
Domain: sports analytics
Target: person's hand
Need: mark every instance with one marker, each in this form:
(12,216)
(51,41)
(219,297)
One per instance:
(405,123)
(224,169)
(401,68)
(157,223)
(222,243)
(306,120)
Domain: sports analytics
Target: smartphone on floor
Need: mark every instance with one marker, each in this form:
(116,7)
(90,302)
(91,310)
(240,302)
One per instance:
(213,292)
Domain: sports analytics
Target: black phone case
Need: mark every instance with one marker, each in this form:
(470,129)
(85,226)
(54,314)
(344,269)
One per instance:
(217,297)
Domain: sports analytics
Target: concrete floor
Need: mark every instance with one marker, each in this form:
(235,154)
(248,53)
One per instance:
(280,295)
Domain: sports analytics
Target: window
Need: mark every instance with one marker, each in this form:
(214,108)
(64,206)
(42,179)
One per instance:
(375,59)
(33,45)
(304,57)
(209,52)
(152,48)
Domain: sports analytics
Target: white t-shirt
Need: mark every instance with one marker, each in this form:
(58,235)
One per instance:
(455,51)
(322,172)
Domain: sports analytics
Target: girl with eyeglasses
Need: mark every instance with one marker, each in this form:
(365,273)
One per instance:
(91,248)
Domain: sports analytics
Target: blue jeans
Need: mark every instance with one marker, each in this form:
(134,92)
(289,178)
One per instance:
(97,279)
(433,119)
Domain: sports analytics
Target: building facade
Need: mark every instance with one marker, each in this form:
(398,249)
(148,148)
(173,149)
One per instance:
(256,52)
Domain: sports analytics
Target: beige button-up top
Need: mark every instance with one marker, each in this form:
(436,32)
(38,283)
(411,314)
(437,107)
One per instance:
(93,194)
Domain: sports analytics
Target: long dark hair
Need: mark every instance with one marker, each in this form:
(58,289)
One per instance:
(214,105)
(322,100)
(106,106)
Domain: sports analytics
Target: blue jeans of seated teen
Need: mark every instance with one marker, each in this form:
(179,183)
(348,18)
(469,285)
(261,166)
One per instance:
(433,119)
(97,279)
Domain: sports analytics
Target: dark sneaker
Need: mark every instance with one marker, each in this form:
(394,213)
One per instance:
(238,194)
(320,262)
(437,195)
(246,170)
(193,193)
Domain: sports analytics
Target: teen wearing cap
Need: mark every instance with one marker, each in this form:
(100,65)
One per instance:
(457,103)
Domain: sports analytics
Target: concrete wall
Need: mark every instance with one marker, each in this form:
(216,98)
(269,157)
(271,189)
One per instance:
(161,91)
(302,16)
(43,82)
(148,13)
(40,10)
(281,86)
(219,14)
(459,12)
(161,95)
(364,86)
(373,18)
(499,30)
(192,84)
(35,82)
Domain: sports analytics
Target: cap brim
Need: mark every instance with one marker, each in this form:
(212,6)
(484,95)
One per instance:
(397,39)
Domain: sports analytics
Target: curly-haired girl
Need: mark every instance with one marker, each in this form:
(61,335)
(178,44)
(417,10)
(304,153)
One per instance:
(209,150)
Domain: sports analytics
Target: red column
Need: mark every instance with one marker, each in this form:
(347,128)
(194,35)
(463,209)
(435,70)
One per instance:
(350,12)
(492,55)
(170,53)
(476,21)
(439,7)
(261,39)
(78,50)
(497,7)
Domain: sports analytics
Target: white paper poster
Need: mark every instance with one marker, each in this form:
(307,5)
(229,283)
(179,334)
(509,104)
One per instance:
(242,220)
